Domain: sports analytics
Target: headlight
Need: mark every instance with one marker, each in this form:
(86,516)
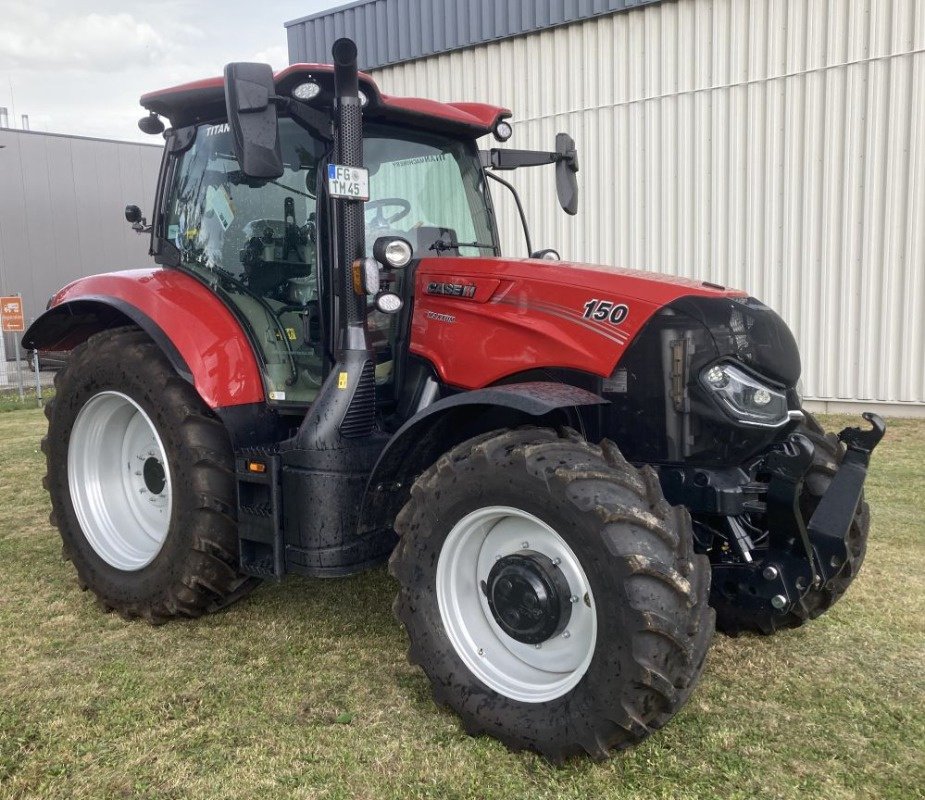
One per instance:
(306,91)
(745,398)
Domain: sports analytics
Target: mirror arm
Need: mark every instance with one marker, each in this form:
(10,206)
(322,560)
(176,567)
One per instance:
(520,207)
(315,121)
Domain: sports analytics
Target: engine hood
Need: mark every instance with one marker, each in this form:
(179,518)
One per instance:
(478,320)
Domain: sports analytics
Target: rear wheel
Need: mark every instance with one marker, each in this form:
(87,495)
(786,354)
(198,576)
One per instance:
(733,619)
(141,480)
(550,594)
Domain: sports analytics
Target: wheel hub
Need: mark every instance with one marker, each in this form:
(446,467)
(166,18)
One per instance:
(154,475)
(528,596)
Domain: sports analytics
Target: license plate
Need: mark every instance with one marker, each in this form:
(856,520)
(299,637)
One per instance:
(348,183)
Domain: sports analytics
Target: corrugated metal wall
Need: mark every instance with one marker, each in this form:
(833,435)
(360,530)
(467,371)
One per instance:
(774,145)
(62,200)
(388,31)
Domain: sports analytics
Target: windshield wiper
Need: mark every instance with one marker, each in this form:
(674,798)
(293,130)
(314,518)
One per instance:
(442,246)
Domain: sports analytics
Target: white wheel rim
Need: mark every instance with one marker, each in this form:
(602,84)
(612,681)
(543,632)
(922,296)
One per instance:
(517,670)
(121,499)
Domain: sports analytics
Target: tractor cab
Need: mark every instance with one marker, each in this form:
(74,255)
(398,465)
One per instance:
(268,246)
(268,243)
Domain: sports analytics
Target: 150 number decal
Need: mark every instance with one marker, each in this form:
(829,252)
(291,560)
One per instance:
(606,311)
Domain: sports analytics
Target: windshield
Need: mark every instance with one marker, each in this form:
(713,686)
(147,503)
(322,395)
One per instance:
(428,189)
(259,243)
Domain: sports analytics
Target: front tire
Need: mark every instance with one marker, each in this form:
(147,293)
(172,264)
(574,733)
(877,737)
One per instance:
(141,480)
(623,625)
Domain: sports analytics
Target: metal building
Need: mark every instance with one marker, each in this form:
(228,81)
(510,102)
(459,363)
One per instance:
(62,201)
(772,145)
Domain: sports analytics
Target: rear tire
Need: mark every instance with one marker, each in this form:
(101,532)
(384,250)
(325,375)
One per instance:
(181,564)
(731,619)
(609,525)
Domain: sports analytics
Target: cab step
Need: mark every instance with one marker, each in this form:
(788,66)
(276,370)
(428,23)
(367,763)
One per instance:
(260,512)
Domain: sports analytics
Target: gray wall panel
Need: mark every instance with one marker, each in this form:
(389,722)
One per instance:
(61,210)
(774,146)
(395,31)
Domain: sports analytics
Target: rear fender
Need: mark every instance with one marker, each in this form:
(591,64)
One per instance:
(451,421)
(194,329)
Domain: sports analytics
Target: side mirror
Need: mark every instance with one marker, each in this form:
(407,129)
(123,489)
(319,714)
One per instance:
(139,223)
(566,167)
(546,255)
(249,94)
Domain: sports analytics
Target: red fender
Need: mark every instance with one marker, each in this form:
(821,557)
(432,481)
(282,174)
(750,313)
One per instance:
(194,328)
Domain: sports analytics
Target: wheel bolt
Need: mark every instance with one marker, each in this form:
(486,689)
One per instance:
(525,545)
(770,572)
(566,634)
(778,601)
(537,646)
(573,599)
(556,561)
(481,652)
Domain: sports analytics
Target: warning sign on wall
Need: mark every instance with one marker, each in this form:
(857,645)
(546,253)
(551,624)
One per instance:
(11,314)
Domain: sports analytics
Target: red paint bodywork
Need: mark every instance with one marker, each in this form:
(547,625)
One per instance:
(523,314)
(177,102)
(204,331)
(528,313)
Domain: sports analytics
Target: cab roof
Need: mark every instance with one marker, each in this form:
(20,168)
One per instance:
(204,101)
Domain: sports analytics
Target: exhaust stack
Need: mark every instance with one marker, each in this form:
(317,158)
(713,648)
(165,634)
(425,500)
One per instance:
(326,465)
(348,144)
(343,414)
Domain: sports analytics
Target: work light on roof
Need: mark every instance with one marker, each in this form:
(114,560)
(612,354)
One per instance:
(306,91)
(503,131)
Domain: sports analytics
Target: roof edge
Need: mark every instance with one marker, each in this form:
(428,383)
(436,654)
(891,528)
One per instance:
(327,12)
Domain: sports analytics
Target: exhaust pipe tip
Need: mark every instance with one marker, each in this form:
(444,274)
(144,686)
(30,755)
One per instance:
(346,79)
(344,52)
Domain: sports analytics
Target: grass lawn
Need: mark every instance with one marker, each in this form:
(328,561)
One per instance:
(302,690)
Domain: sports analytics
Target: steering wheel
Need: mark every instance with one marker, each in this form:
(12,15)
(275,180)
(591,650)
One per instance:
(381,220)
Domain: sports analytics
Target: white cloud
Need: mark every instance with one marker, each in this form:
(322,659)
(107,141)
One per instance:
(79,66)
(92,42)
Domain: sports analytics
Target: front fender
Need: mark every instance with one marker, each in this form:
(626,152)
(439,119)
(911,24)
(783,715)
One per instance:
(196,331)
(451,421)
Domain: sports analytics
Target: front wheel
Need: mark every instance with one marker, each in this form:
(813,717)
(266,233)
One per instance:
(550,594)
(141,478)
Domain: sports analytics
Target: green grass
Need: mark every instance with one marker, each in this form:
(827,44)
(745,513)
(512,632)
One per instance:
(303,690)
(9,398)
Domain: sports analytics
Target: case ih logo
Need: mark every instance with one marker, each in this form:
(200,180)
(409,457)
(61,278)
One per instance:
(466,290)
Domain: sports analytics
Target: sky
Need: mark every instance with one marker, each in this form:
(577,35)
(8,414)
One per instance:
(79,66)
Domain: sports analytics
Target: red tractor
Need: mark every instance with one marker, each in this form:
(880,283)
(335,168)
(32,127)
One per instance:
(572,469)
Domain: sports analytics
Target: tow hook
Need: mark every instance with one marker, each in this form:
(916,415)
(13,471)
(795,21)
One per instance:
(861,440)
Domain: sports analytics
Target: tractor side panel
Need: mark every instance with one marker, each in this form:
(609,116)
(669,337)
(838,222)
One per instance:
(201,328)
(478,320)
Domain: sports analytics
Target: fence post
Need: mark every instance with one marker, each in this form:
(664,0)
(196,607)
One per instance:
(22,395)
(38,380)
